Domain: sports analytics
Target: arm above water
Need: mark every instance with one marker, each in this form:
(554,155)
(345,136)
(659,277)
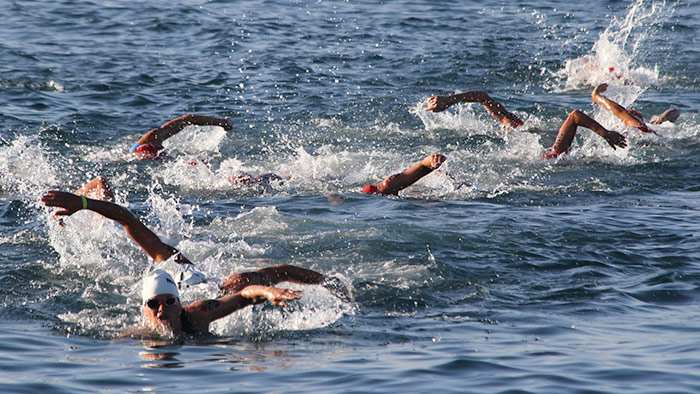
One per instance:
(70,203)
(397,182)
(271,276)
(670,115)
(568,129)
(616,109)
(202,313)
(170,128)
(496,109)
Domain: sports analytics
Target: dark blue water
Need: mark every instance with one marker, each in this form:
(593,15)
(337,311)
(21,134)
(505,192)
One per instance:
(504,272)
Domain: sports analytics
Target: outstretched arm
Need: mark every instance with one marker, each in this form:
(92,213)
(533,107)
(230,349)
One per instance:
(271,276)
(567,132)
(619,111)
(496,109)
(397,182)
(167,130)
(202,313)
(71,203)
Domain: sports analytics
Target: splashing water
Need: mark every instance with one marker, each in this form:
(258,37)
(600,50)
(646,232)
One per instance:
(25,170)
(617,58)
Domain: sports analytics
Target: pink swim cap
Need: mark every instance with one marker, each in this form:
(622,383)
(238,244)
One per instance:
(371,189)
(550,155)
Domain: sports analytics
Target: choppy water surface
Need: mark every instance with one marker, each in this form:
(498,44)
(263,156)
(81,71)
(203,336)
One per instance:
(503,272)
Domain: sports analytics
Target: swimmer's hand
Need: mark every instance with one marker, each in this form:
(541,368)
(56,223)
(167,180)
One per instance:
(68,202)
(275,295)
(228,124)
(615,139)
(438,103)
(600,89)
(433,161)
(337,287)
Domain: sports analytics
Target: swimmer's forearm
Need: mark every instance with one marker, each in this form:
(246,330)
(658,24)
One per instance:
(206,311)
(469,96)
(172,127)
(603,101)
(393,185)
(290,273)
(142,235)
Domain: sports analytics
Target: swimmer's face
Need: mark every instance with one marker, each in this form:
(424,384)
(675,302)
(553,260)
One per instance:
(163,312)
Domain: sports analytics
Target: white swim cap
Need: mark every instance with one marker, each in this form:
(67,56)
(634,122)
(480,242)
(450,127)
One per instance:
(158,282)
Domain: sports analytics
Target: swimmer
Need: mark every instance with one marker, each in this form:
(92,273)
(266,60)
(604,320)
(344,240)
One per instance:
(241,178)
(630,117)
(397,182)
(160,296)
(150,146)
(496,109)
(564,138)
(244,178)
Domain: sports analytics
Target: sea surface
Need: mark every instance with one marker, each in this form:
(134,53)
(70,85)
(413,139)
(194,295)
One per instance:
(501,273)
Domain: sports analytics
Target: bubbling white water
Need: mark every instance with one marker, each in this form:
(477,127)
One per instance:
(618,56)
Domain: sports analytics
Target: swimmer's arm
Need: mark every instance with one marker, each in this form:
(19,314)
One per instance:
(441,103)
(142,235)
(206,311)
(395,183)
(493,107)
(271,276)
(170,128)
(290,273)
(670,115)
(619,111)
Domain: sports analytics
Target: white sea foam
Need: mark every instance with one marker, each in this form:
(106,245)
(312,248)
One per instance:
(618,56)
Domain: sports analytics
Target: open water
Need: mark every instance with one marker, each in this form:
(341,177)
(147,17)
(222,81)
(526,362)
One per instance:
(503,272)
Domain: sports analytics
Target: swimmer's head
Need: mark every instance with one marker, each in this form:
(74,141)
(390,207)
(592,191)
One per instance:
(161,304)
(156,283)
(195,161)
(241,178)
(145,151)
(371,189)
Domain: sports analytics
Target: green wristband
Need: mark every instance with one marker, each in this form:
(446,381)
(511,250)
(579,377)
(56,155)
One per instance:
(84,202)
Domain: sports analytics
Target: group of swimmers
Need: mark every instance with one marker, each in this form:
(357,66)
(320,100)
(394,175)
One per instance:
(160,291)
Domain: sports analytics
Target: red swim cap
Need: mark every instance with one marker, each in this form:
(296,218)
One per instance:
(146,151)
(242,178)
(194,161)
(371,189)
